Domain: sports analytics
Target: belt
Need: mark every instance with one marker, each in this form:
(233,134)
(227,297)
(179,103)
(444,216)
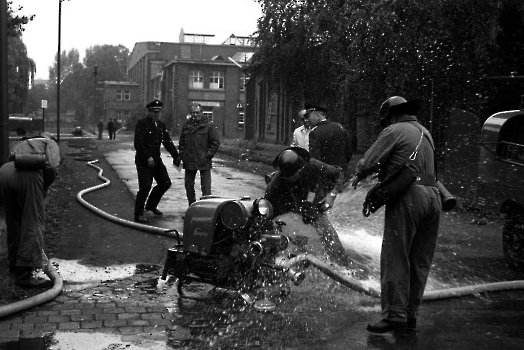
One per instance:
(424,179)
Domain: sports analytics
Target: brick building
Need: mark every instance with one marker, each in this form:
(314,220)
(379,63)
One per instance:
(194,70)
(119,99)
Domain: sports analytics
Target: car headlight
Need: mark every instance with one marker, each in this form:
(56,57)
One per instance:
(263,207)
(234,215)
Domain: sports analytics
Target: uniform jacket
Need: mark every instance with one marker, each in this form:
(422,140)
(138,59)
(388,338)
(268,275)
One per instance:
(149,137)
(394,146)
(329,143)
(288,197)
(199,142)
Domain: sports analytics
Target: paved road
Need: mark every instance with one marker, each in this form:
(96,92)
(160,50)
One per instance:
(129,307)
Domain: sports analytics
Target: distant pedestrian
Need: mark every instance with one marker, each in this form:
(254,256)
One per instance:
(199,142)
(301,134)
(100,126)
(150,133)
(411,221)
(118,125)
(24,180)
(111,129)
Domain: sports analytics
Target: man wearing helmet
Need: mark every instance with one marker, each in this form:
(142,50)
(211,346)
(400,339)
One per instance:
(411,221)
(294,187)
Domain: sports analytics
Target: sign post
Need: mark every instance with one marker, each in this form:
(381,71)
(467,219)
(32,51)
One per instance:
(44,106)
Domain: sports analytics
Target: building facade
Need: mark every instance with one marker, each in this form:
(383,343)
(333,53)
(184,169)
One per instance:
(195,71)
(119,99)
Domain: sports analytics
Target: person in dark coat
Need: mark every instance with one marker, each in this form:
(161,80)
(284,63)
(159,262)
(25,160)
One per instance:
(150,133)
(328,141)
(25,178)
(199,142)
(111,129)
(411,221)
(295,187)
(100,127)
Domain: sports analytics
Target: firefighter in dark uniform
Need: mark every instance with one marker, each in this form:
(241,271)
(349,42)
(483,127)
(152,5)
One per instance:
(295,187)
(150,133)
(411,222)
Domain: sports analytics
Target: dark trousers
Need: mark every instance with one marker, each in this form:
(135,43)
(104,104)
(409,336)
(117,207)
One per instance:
(409,242)
(189,181)
(145,181)
(22,194)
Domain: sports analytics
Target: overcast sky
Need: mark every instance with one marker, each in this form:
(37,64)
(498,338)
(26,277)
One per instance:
(87,23)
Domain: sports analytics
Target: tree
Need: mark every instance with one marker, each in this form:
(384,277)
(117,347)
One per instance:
(351,55)
(77,87)
(20,68)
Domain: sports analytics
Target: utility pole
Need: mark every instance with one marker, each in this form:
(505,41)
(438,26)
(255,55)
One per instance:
(95,73)
(58,72)
(4,113)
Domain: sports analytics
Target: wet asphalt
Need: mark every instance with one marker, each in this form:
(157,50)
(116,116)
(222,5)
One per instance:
(131,307)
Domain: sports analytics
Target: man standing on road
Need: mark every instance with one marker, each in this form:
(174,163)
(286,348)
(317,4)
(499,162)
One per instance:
(100,127)
(411,221)
(199,142)
(150,133)
(111,129)
(328,141)
(301,134)
(24,181)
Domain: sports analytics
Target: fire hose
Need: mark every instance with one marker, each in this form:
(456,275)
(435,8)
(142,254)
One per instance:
(338,276)
(49,270)
(335,274)
(38,299)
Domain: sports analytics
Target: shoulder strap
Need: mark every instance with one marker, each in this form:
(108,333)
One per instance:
(415,152)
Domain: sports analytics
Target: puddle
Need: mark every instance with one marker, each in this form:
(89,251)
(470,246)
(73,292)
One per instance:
(90,341)
(77,276)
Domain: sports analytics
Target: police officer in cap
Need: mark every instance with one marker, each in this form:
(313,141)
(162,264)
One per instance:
(150,133)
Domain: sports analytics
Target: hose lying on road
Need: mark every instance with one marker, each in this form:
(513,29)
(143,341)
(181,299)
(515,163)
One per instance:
(138,226)
(335,274)
(38,299)
(85,155)
(325,268)
(473,290)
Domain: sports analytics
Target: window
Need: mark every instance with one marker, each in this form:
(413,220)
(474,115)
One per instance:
(216,80)
(243,81)
(196,79)
(127,95)
(240,120)
(208,113)
(119,95)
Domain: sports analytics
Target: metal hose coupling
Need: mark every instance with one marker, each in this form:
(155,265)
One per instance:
(289,264)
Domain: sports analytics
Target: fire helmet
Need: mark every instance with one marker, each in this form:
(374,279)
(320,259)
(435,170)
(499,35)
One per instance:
(290,161)
(397,104)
